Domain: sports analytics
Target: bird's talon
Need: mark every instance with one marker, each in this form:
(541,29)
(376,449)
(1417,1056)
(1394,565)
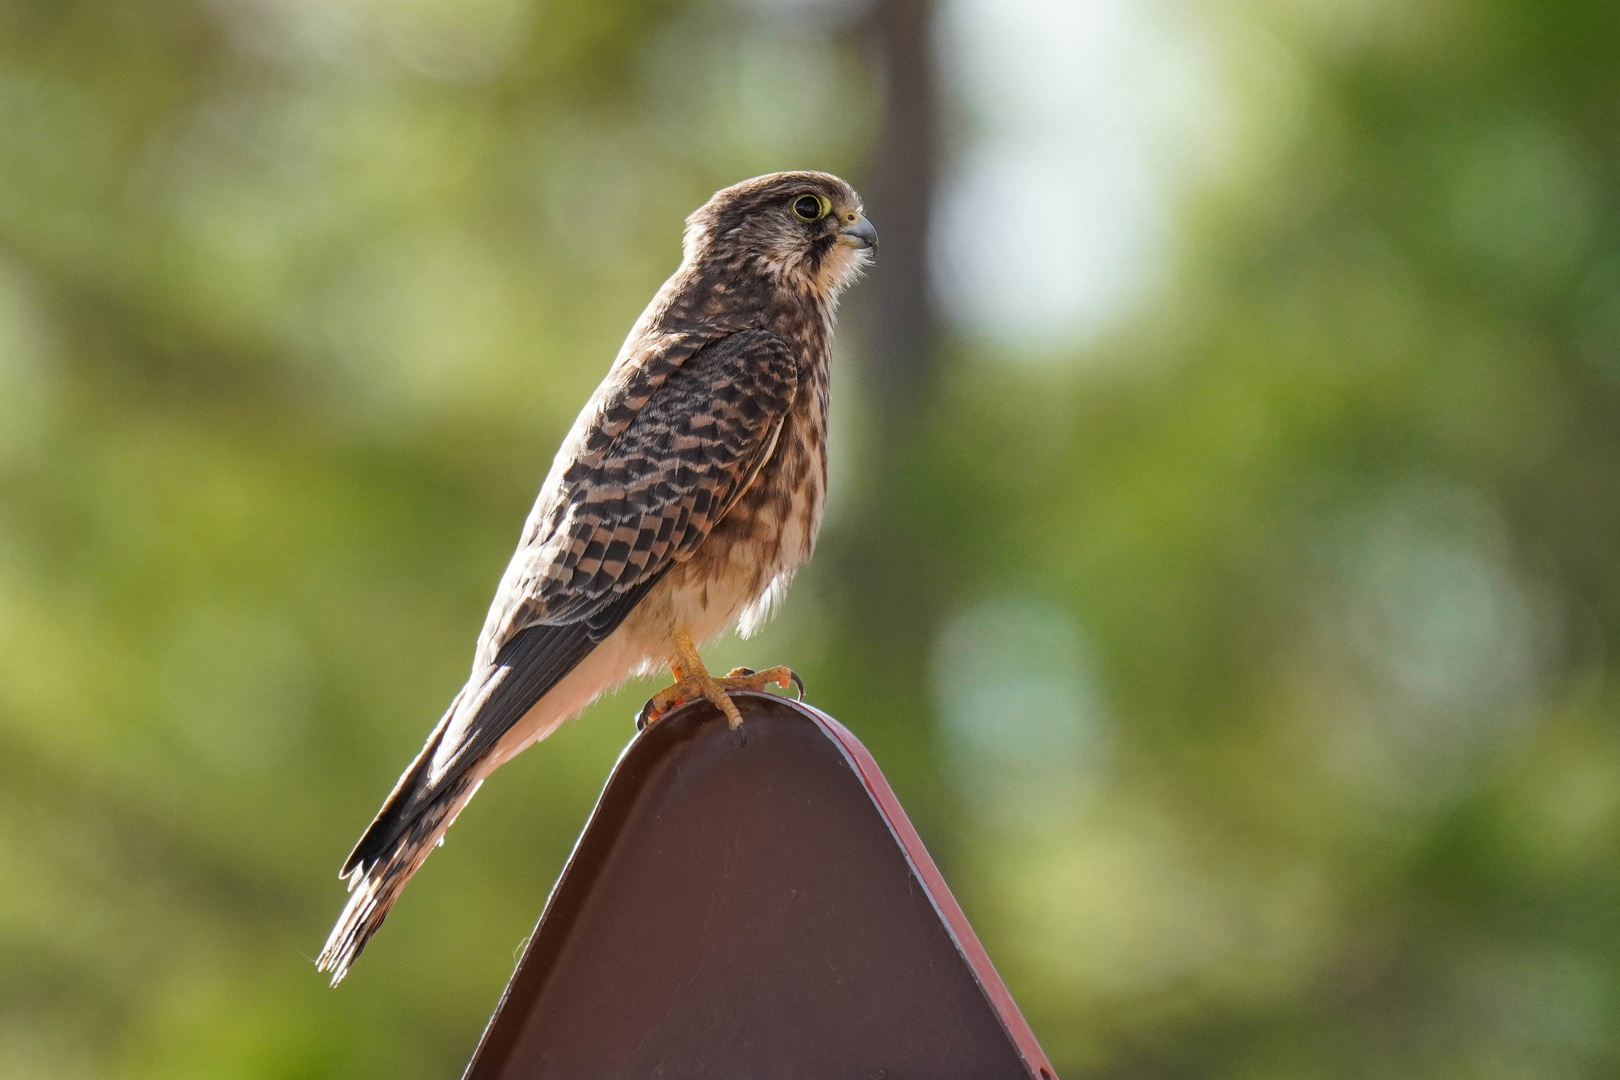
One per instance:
(671,698)
(757,681)
(693,682)
(728,708)
(654,711)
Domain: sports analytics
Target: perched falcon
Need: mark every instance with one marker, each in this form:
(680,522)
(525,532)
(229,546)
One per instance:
(683,500)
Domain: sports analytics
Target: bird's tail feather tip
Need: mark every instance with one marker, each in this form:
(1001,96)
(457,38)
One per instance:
(373,892)
(362,917)
(373,887)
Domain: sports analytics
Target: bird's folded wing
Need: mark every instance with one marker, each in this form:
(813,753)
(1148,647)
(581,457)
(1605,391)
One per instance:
(625,512)
(649,498)
(663,455)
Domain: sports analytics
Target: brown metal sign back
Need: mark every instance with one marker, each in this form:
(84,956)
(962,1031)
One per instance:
(753,905)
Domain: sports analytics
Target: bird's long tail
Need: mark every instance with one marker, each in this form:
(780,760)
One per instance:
(376,884)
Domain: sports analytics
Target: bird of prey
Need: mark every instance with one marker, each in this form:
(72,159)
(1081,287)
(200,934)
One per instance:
(682,501)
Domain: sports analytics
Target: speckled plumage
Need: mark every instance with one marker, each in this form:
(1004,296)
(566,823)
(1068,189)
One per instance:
(685,497)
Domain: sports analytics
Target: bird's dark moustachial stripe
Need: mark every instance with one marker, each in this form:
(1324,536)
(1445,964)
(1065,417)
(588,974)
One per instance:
(683,500)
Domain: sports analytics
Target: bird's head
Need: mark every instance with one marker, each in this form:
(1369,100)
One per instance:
(802,229)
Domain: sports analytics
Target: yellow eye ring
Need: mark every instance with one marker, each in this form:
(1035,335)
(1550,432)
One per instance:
(808,207)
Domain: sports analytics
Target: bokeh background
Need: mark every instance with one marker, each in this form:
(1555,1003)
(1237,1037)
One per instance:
(1222,558)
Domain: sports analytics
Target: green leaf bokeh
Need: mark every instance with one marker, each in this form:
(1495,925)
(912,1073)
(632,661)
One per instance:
(1247,666)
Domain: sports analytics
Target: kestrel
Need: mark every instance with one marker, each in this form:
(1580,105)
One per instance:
(685,497)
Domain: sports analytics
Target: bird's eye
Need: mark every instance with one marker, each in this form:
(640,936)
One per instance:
(811,207)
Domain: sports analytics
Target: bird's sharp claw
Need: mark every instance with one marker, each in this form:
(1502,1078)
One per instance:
(664,702)
(721,700)
(748,679)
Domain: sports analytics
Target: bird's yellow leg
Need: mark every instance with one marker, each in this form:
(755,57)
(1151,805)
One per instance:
(692,681)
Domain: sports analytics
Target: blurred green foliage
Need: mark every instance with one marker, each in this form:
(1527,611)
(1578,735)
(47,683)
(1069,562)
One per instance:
(1249,668)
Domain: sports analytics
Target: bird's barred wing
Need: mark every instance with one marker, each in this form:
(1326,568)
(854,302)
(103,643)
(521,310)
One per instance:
(627,513)
(687,441)
(647,499)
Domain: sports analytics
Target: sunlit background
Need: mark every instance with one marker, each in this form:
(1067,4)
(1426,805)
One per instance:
(1223,557)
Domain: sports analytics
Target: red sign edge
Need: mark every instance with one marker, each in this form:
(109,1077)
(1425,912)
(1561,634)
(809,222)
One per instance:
(939,893)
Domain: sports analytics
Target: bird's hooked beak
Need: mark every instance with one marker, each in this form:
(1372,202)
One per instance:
(858,232)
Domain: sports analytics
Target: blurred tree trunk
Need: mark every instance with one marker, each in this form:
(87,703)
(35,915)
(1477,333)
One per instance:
(900,325)
(893,312)
(880,560)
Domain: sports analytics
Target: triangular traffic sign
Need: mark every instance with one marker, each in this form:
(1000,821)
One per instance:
(753,905)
